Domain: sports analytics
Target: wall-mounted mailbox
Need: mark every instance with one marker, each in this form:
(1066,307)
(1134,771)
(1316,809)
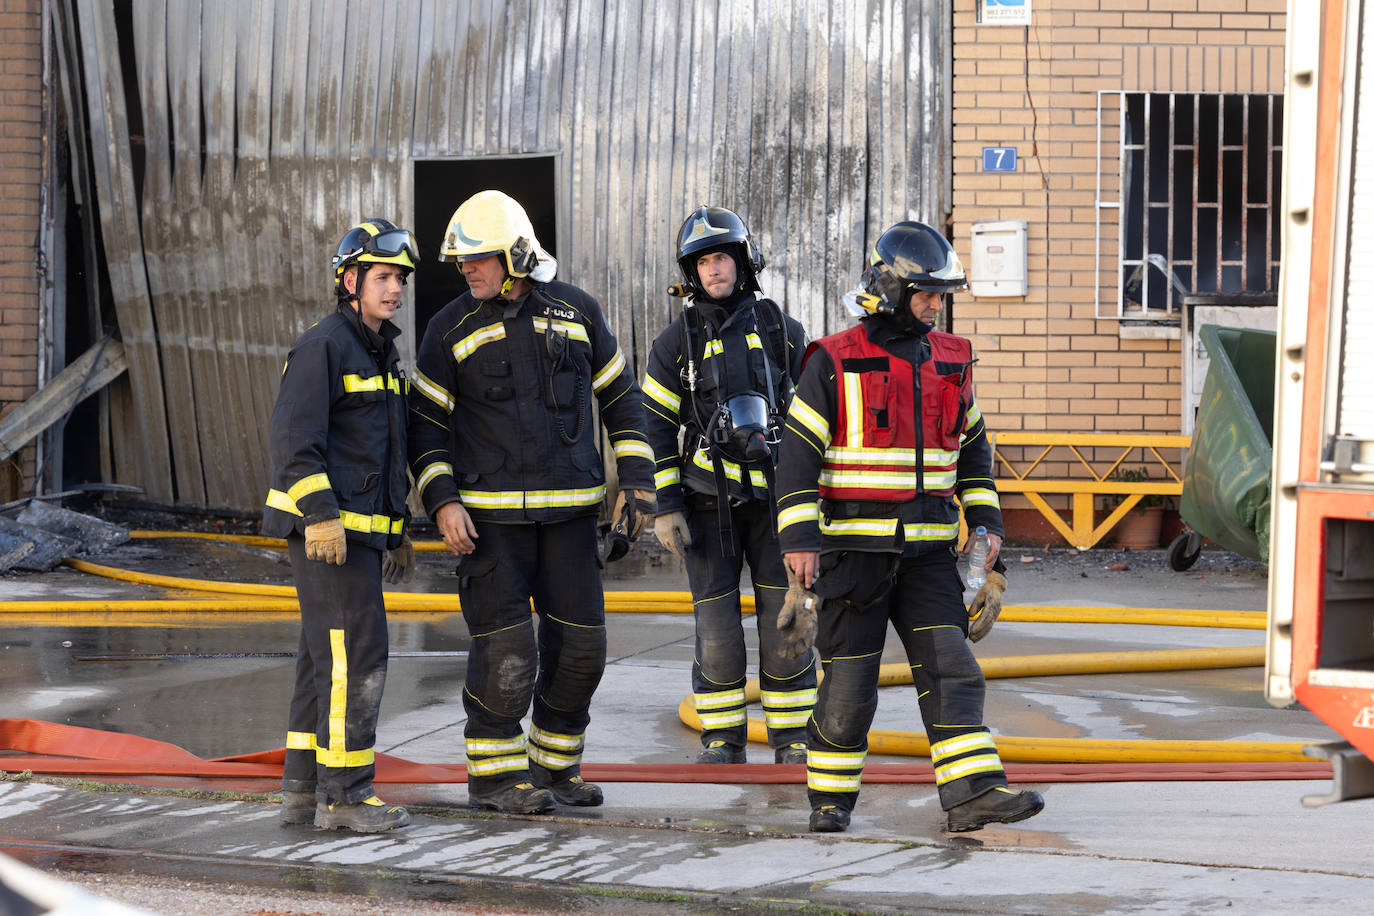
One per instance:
(997,266)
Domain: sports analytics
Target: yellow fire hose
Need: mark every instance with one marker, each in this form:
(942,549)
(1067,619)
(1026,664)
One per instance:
(281,599)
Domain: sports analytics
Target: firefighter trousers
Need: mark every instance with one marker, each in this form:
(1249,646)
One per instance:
(340,674)
(922,597)
(788,685)
(554,659)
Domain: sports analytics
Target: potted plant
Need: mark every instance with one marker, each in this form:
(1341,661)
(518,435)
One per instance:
(1140,528)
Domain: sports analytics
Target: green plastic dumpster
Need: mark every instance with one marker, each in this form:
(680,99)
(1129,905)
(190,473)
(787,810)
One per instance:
(1226,476)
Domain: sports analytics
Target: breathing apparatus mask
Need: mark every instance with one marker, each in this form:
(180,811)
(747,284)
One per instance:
(742,426)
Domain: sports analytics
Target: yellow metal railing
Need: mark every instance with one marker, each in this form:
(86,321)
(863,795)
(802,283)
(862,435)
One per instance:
(1079,530)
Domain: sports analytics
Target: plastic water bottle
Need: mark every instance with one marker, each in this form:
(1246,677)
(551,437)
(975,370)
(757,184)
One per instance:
(977,557)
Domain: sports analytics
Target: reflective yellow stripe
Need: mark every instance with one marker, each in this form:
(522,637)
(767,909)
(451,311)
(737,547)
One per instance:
(718,699)
(776,699)
(573,329)
(490,756)
(610,372)
(338,691)
(832,782)
(307,485)
(835,760)
(929,531)
(879,480)
(432,471)
(794,515)
(934,459)
(854,408)
(276,499)
(468,345)
(532,499)
(632,448)
(300,741)
(554,739)
(552,760)
(868,527)
(338,754)
(898,457)
(951,747)
(357,383)
(553,750)
(490,766)
(804,414)
(979,496)
(967,766)
(667,478)
(495,745)
(732,471)
(435,392)
(371,524)
(656,390)
(715,348)
(972,416)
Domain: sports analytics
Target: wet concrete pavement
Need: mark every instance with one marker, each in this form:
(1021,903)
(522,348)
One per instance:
(218,685)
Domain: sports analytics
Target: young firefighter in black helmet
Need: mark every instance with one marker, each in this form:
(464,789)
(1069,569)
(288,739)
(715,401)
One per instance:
(505,456)
(882,435)
(718,380)
(338,439)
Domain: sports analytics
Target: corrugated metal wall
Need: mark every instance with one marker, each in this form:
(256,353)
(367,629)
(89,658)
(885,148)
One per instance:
(263,129)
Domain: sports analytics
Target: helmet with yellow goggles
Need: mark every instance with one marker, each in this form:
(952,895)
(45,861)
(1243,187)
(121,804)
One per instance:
(907,258)
(376,241)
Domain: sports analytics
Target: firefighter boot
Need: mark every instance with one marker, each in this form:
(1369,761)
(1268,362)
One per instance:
(1001,806)
(720,752)
(521,798)
(829,819)
(570,791)
(791,753)
(298,807)
(371,815)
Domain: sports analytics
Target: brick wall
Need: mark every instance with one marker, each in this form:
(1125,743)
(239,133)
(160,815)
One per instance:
(1046,362)
(20,180)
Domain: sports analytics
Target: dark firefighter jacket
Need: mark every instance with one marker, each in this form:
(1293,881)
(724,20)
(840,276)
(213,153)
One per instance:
(923,523)
(503,420)
(669,403)
(338,434)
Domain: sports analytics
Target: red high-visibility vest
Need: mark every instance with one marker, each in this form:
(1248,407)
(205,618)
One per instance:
(873,445)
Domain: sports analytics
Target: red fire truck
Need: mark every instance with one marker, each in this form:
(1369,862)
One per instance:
(1321,582)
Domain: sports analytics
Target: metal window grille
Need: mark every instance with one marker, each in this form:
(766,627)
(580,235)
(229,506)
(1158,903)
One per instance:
(1196,199)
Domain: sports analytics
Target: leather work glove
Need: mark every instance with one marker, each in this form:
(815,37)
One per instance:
(398,564)
(327,542)
(672,532)
(797,623)
(987,604)
(632,511)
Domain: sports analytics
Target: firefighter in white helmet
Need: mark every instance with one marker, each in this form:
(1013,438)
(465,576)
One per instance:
(505,454)
(882,435)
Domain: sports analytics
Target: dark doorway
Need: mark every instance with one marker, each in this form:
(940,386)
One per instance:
(440,186)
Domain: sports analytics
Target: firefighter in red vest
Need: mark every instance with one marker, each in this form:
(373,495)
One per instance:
(883,433)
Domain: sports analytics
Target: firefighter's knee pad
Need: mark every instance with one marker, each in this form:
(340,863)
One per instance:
(949,677)
(501,670)
(720,654)
(849,700)
(573,657)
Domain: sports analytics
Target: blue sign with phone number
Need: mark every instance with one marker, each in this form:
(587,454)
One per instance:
(999,158)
